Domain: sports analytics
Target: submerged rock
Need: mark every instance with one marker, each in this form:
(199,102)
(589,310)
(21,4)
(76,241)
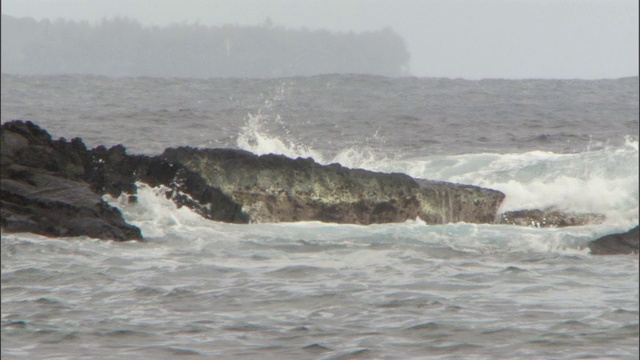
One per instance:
(617,244)
(549,218)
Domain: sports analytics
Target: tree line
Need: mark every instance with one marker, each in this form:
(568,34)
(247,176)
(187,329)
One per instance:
(124,47)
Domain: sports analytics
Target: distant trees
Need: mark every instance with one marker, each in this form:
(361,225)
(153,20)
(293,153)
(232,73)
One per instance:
(123,47)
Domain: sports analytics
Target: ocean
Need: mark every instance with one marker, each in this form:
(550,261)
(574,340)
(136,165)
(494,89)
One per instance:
(312,290)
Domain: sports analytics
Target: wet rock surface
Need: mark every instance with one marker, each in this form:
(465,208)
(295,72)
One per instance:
(54,188)
(549,218)
(42,188)
(114,172)
(274,188)
(617,244)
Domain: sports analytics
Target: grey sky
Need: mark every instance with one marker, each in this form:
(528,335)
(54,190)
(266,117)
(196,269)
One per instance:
(446,38)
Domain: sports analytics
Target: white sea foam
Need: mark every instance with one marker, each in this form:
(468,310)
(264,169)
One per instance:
(155,214)
(308,289)
(160,219)
(602,181)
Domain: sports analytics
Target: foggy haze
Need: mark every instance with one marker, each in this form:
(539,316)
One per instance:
(458,39)
(124,47)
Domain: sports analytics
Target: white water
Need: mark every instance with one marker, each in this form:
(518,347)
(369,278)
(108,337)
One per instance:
(595,181)
(315,290)
(158,217)
(326,291)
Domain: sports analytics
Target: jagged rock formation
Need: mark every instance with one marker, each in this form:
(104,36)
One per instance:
(616,244)
(42,190)
(54,187)
(114,172)
(549,218)
(274,188)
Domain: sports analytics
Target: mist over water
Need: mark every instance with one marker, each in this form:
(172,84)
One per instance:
(468,39)
(317,290)
(124,47)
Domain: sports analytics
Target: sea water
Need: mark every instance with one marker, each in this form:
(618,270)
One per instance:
(314,290)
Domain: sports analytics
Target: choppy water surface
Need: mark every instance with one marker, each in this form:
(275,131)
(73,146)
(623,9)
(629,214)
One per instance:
(314,290)
(331,112)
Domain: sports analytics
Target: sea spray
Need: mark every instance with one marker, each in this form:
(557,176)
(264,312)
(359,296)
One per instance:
(154,213)
(256,137)
(253,137)
(598,181)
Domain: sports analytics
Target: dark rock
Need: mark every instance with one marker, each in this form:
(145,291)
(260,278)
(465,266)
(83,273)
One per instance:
(549,218)
(29,156)
(617,244)
(44,204)
(42,190)
(274,188)
(444,202)
(114,172)
(54,187)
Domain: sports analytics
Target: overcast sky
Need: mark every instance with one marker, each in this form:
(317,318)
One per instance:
(469,39)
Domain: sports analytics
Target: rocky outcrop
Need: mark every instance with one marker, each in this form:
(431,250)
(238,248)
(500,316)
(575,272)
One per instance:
(274,188)
(42,190)
(617,244)
(549,218)
(114,172)
(54,187)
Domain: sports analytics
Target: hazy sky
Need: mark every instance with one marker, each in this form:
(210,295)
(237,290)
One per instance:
(446,38)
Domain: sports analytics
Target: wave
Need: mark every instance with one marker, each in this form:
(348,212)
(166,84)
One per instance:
(603,181)
(600,181)
(255,139)
(161,221)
